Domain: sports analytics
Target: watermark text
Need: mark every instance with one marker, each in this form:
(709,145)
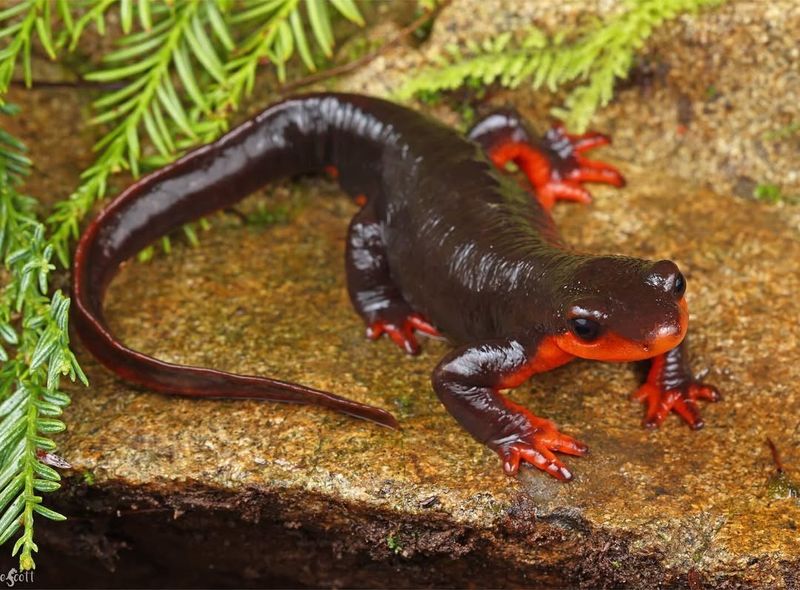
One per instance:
(16,577)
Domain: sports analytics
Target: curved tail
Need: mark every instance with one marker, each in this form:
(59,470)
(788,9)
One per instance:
(289,138)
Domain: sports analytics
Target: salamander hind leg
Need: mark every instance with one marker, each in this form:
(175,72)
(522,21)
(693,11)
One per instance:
(671,387)
(468,382)
(373,294)
(555,164)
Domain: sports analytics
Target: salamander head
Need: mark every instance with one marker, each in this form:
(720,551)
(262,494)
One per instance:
(623,309)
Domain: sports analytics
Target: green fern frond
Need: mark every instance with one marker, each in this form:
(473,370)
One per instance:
(183,72)
(275,32)
(94,12)
(178,71)
(148,103)
(595,60)
(13,160)
(17,26)
(34,354)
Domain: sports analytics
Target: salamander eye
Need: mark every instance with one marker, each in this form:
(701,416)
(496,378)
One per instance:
(585,329)
(679,286)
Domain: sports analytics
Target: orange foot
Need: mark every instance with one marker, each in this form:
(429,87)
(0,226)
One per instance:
(681,400)
(537,448)
(570,169)
(400,328)
(557,167)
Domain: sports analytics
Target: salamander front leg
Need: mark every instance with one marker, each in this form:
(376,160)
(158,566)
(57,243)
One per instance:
(671,387)
(372,292)
(468,382)
(554,164)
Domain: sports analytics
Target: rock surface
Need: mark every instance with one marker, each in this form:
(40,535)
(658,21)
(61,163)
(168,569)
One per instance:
(245,493)
(273,302)
(712,98)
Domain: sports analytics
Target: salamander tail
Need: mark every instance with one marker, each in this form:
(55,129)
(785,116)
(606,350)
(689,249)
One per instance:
(283,140)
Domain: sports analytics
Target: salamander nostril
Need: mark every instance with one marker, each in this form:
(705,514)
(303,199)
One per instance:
(664,275)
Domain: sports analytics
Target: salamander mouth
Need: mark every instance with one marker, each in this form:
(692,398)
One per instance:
(669,336)
(612,347)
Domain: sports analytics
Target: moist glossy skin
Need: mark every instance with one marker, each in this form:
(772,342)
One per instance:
(444,243)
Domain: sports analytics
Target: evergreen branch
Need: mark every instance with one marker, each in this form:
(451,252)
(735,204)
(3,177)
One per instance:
(176,80)
(12,154)
(17,26)
(595,60)
(427,16)
(96,14)
(278,36)
(34,354)
(144,64)
(181,80)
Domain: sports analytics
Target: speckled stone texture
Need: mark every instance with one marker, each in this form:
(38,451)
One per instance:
(713,97)
(173,491)
(273,302)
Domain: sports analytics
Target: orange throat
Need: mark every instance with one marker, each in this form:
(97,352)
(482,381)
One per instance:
(612,347)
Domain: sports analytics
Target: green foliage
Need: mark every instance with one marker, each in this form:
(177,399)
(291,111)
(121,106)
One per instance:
(177,74)
(594,60)
(15,164)
(784,132)
(20,23)
(265,215)
(182,70)
(34,354)
(89,478)
(781,487)
(772,193)
(393,543)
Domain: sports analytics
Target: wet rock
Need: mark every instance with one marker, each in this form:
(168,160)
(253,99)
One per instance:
(720,104)
(244,493)
(272,301)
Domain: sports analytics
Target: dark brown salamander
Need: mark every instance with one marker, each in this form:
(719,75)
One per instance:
(444,242)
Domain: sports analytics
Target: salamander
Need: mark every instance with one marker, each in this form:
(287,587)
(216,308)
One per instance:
(445,242)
